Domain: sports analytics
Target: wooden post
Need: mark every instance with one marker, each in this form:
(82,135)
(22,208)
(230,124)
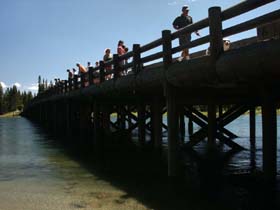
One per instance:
(136,59)
(106,119)
(101,71)
(83,80)
(90,75)
(68,117)
(96,121)
(173,132)
(65,86)
(141,123)
(212,124)
(85,110)
(190,126)
(156,119)
(172,112)
(75,82)
(252,124)
(269,124)
(122,117)
(54,115)
(70,80)
(116,66)
(216,48)
(166,48)
(182,124)
(215,30)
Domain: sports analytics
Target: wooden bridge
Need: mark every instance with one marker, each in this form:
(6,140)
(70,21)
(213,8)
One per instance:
(243,78)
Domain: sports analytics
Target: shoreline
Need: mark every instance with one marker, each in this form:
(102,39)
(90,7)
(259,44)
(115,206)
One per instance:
(11,114)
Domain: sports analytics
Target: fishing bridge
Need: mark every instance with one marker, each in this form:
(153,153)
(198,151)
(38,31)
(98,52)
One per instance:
(240,79)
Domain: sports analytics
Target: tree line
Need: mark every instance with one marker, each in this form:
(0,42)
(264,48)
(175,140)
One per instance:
(12,99)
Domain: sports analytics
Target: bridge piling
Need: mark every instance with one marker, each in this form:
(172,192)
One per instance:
(269,123)
(141,112)
(156,118)
(252,120)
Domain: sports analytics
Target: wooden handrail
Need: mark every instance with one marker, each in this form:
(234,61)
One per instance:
(151,45)
(138,61)
(195,43)
(243,7)
(251,23)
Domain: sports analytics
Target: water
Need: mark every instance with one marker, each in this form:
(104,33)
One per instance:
(248,159)
(35,173)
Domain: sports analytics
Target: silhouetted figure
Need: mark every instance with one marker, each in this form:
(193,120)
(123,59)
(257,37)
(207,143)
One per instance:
(180,22)
(70,74)
(106,58)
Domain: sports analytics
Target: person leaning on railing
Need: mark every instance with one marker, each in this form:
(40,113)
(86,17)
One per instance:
(83,70)
(180,22)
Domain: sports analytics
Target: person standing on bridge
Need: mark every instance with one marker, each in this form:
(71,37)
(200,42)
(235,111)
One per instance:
(70,74)
(121,51)
(106,58)
(180,22)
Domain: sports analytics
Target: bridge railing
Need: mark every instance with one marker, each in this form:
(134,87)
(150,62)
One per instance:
(135,60)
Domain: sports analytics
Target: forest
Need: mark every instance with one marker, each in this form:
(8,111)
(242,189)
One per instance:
(12,99)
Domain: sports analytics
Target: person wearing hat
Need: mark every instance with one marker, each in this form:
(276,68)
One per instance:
(180,22)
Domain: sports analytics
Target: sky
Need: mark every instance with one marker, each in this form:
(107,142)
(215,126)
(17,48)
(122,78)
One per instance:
(46,37)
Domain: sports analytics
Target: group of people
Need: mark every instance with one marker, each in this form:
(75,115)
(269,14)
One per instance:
(184,39)
(121,50)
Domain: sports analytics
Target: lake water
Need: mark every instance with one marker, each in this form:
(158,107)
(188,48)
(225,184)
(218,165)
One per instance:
(35,173)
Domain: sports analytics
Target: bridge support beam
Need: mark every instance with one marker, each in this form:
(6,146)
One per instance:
(85,110)
(156,118)
(141,123)
(182,124)
(269,139)
(252,124)
(212,124)
(173,132)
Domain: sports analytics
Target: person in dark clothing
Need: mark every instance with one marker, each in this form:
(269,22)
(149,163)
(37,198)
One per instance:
(180,22)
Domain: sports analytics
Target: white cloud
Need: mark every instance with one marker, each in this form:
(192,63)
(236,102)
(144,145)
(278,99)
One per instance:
(17,85)
(33,87)
(3,85)
(181,2)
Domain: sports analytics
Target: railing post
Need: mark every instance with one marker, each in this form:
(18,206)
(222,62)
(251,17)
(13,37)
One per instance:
(65,86)
(70,85)
(101,71)
(167,48)
(216,32)
(269,133)
(136,59)
(172,109)
(75,82)
(216,48)
(90,75)
(116,66)
(83,76)
(60,87)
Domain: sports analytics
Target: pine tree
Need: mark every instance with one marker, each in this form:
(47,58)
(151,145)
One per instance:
(39,85)
(1,99)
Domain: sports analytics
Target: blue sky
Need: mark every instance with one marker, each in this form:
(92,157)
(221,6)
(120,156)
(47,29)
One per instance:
(45,37)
